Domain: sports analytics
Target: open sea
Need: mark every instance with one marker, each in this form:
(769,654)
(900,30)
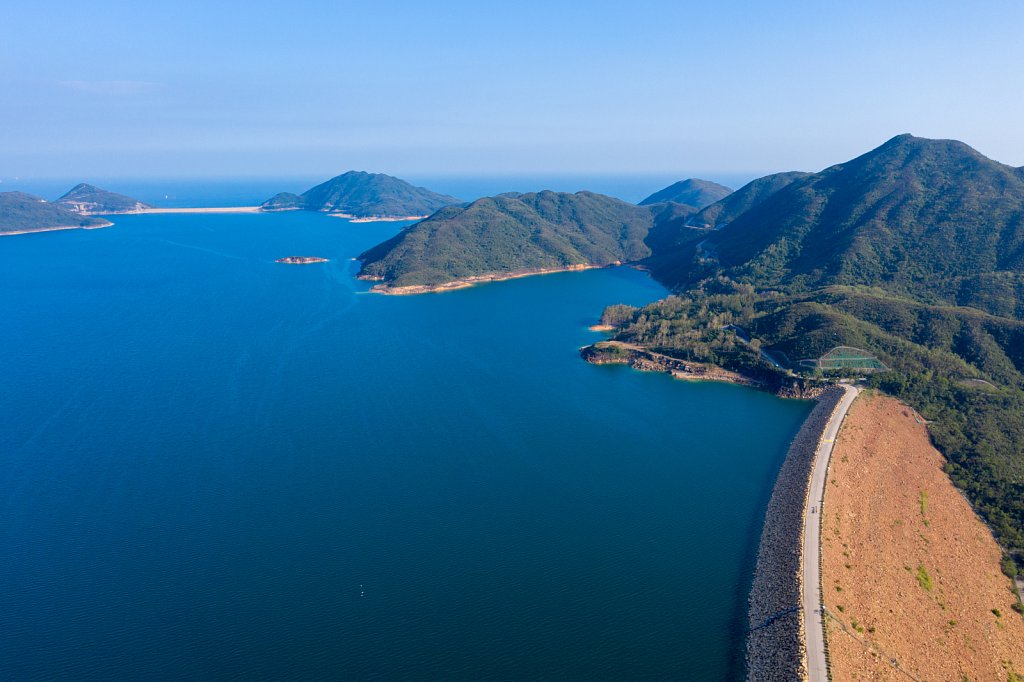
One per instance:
(213,466)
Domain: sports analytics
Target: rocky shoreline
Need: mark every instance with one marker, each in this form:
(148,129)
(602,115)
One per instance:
(775,646)
(105,223)
(467,282)
(301,260)
(645,360)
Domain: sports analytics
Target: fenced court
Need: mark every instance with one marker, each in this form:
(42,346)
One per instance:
(847,357)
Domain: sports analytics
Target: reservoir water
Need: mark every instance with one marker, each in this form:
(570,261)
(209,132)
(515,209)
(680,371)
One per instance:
(215,466)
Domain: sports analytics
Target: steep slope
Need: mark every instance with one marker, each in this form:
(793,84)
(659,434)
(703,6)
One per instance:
(511,234)
(21,212)
(363,195)
(926,218)
(692,192)
(91,200)
(723,212)
(283,201)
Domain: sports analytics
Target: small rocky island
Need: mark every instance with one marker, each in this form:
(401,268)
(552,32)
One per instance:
(301,260)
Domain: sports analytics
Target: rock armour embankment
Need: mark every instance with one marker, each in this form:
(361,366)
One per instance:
(775,648)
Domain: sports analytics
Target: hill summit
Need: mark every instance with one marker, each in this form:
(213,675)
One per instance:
(692,192)
(363,195)
(91,200)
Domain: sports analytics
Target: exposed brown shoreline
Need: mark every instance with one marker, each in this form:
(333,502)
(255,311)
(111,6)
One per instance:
(376,219)
(645,360)
(217,209)
(106,223)
(469,281)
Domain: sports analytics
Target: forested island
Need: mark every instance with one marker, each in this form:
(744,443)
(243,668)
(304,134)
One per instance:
(909,258)
(357,194)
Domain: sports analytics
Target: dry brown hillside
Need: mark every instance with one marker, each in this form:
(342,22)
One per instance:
(911,574)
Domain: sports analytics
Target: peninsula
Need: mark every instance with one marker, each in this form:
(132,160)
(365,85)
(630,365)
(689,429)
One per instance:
(510,235)
(21,213)
(91,200)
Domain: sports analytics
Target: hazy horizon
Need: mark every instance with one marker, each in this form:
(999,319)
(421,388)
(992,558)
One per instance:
(241,190)
(116,89)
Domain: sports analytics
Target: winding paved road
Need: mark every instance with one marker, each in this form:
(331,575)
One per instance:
(814,625)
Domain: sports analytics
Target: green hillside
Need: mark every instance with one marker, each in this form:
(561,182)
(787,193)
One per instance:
(91,200)
(724,211)
(932,219)
(21,212)
(512,233)
(363,195)
(913,253)
(692,192)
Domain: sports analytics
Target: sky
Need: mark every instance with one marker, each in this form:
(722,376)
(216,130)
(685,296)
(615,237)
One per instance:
(313,88)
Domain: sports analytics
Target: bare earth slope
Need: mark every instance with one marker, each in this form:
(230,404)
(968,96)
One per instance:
(909,571)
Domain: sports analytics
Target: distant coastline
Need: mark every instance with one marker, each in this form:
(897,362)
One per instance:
(223,209)
(58,227)
(469,281)
(376,219)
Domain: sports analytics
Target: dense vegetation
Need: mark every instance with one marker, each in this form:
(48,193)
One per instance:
(961,368)
(20,212)
(729,208)
(913,252)
(513,233)
(363,195)
(89,200)
(930,219)
(692,192)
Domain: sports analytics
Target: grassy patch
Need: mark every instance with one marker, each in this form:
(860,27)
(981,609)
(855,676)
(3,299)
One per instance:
(924,579)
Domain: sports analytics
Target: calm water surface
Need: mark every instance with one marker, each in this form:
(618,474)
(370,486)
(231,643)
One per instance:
(215,466)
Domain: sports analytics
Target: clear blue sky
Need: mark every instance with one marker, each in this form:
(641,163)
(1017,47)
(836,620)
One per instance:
(123,89)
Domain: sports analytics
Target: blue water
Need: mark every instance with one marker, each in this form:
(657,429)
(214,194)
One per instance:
(216,466)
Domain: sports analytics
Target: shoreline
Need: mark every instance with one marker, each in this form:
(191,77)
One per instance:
(376,219)
(59,227)
(214,209)
(454,285)
(645,360)
(782,619)
(776,643)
